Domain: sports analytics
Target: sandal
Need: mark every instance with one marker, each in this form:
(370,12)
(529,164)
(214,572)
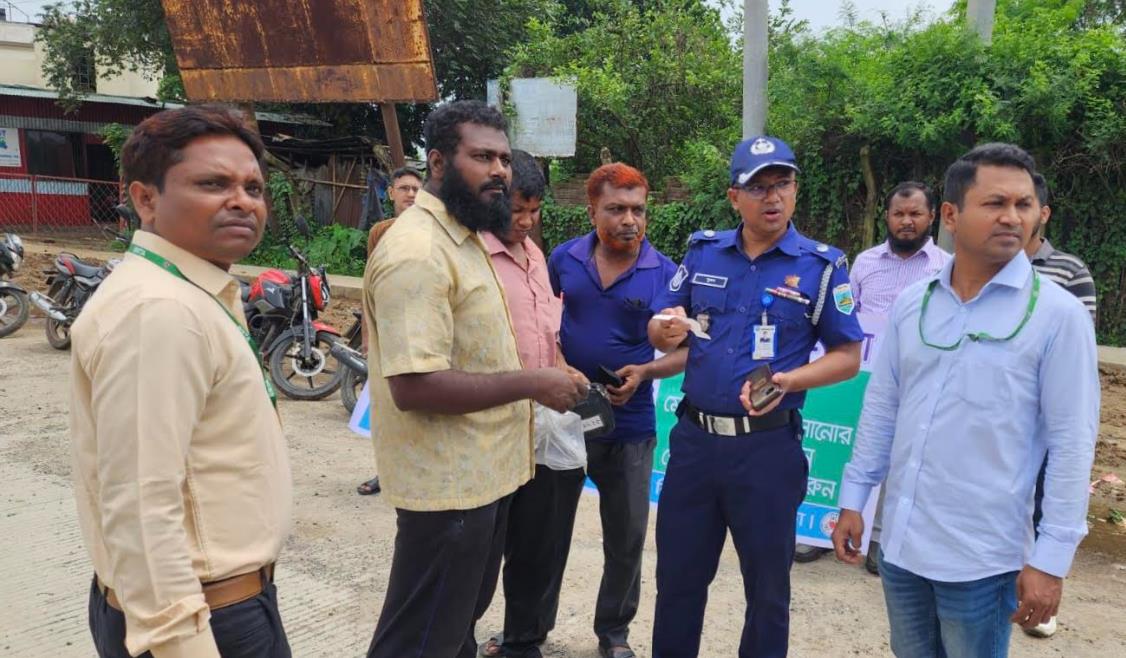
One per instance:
(492,647)
(370,487)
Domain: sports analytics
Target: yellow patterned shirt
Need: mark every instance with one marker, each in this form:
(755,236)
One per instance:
(433,302)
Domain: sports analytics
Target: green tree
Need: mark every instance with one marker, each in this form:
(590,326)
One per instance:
(650,80)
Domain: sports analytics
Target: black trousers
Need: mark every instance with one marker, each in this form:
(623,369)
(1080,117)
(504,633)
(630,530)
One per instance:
(622,472)
(251,629)
(443,576)
(540,523)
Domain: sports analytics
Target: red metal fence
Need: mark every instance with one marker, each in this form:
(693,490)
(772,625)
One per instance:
(54,205)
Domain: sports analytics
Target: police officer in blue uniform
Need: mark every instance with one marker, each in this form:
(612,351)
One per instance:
(764,294)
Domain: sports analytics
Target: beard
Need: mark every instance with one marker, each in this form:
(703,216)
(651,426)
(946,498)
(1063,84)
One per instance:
(905,246)
(469,210)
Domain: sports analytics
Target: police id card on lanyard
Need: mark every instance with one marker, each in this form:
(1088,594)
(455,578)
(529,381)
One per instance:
(765,333)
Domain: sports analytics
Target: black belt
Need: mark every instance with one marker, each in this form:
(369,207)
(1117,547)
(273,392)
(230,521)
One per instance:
(735,425)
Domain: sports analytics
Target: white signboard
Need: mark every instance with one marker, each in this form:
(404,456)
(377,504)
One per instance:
(10,147)
(545,115)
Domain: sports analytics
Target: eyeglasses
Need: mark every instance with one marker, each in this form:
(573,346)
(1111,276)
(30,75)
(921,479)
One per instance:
(408,188)
(760,191)
(979,335)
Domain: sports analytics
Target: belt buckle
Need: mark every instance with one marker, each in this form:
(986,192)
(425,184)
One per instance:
(723,426)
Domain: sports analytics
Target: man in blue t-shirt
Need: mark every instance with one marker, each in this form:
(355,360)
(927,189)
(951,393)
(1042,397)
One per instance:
(608,280)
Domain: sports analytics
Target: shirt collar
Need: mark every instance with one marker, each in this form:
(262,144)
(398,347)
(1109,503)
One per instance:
(433,205)
(1045,251)
(788,244)
(929,250)
(1013,275)
(495,246)
(197,270)
(583,250)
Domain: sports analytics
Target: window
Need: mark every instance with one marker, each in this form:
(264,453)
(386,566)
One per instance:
(83,73)
(51,153)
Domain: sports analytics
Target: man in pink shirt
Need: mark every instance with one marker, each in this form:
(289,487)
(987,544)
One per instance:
(542,515)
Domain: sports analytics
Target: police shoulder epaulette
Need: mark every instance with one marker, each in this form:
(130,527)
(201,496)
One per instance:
(702,236)
(827,253)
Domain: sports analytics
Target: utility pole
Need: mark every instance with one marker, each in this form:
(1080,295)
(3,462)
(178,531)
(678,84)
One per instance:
(979,18)
(754,67)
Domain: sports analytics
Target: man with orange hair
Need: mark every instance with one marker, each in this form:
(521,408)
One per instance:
(608,280)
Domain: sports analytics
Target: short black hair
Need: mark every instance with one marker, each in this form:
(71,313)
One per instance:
(527,179)
(1041,185)
(158,142)
(441,131)
(405,171)
(906,189)
(961,175)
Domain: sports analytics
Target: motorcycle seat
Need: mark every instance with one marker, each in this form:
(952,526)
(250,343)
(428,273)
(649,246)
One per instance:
(80,267)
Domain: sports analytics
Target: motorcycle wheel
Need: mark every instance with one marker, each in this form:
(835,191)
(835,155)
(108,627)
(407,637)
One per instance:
(313,380)
(350,388)
(58,333)
(13,311)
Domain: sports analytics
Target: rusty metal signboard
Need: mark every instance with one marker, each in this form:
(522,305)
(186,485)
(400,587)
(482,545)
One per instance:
(313,51)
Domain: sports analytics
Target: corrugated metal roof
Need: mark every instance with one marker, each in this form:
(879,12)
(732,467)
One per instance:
(154,104)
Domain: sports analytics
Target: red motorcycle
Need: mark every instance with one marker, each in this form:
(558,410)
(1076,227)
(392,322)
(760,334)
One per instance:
(281,312)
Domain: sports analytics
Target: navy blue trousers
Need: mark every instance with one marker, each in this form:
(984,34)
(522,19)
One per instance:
(751,486)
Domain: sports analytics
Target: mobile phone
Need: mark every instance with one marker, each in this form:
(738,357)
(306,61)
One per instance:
(763,389)
(608,377)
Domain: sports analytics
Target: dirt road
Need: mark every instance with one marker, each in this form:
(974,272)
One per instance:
(334,569)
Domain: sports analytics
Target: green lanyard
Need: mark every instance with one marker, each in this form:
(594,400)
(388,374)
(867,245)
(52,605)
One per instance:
(980,335)
(171,268)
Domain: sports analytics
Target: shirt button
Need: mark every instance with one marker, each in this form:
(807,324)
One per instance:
(742,309)
(754,268)
(730,351)
(923,426)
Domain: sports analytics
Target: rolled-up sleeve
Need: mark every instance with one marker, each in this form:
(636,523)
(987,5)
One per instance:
(409,297)
(1069,403)
(149,383)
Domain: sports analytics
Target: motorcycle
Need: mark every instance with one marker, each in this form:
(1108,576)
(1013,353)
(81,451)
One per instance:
(70,283)
(348,353)
(13,298)
(281,313)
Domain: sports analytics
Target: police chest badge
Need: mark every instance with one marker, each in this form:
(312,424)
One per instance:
(842,297)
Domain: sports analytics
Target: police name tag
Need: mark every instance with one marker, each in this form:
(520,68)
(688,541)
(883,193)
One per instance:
(764,342)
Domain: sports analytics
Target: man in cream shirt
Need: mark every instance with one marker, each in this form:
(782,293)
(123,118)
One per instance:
(181,474)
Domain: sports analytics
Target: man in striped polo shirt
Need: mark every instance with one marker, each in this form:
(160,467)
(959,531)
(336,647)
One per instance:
(1071,273)
(1063,268)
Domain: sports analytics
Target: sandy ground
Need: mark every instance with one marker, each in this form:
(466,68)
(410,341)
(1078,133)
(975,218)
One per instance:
(334,570)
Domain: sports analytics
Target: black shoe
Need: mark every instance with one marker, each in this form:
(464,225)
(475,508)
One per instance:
(370,487)
(871,563)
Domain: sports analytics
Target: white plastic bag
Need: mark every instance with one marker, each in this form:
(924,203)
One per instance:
(560,445)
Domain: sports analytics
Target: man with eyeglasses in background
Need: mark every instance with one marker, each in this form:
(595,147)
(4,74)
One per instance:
(405,184)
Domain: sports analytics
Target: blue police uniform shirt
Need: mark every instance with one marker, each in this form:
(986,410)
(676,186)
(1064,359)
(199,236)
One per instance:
(719,282)
(610,326)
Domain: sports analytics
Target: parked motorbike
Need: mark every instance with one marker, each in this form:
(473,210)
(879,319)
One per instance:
(281,312)
(13,298)
(70,283)
(347,352)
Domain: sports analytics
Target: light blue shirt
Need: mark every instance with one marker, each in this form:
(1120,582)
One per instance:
(961,435)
